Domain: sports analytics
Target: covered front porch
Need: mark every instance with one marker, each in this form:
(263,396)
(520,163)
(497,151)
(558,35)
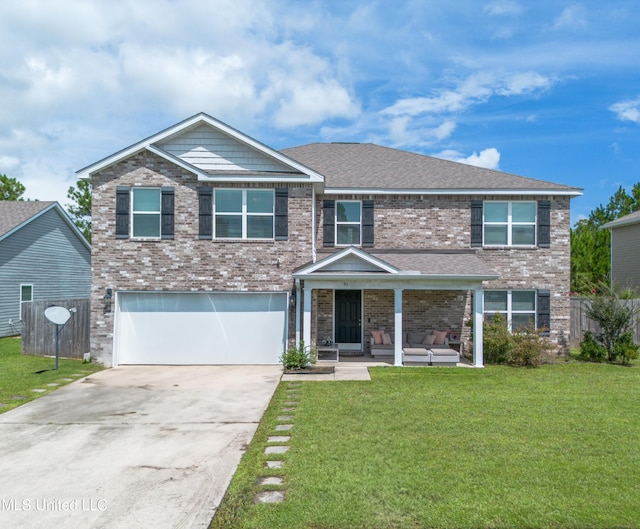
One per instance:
(349,296)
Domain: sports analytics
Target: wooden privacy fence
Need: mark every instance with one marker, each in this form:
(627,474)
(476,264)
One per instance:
(39,334)
(580,323)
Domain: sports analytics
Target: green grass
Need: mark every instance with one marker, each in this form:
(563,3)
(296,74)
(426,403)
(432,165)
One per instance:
(553,447)
(19,377)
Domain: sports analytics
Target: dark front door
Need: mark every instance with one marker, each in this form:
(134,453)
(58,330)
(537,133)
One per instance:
(348,317)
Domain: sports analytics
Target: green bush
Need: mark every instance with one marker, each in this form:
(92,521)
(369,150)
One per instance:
(497,340)
(529,348)
(625,348)
(592,350)
(296,357)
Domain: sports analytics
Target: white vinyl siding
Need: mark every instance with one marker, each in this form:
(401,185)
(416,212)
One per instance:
(211,150)
(509,223)
(625,255)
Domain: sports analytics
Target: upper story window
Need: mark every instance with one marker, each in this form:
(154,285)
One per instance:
(517,306)
(348,222)
(244,213)
(146,212)
(509,223)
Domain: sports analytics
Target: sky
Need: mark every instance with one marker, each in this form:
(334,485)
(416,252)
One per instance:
(547,89)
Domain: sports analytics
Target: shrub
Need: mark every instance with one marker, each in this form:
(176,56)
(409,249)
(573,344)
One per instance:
(497,340)
(592,350)
(296,357)
(626,349)
(529,348)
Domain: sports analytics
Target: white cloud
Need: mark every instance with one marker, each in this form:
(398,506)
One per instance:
(7,163)
(627,110)
(524,82)
(503,7)
(488,158)
(572,18)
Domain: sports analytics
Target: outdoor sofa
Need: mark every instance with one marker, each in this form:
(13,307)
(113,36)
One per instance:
(431,347)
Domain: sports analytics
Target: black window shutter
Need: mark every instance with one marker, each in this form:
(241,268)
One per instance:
(329,229)
(122,212)
(544,223)
(367,223)
(544,311)
(205,213)
(167,206)
(476,223)
(282,214)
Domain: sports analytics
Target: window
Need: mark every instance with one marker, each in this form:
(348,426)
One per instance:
(244,213)
(26,293)
(517,306)
(348,222)
(509,223)
(146,212)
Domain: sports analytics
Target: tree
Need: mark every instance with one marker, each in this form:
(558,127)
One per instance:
(590,245)
(615,320)
(80,209)
(10,188)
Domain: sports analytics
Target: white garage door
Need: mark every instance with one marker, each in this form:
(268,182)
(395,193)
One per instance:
(200,328)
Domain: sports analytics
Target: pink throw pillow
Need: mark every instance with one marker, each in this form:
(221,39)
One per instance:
(429,339)
(377,336)
(386,339)
(440,336)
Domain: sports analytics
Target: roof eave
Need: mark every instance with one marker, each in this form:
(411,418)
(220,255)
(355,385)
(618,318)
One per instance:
(571,192)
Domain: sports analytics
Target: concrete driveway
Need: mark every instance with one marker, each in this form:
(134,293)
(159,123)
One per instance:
(130,447)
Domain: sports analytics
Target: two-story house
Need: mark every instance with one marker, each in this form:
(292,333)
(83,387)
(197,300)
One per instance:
(209,247)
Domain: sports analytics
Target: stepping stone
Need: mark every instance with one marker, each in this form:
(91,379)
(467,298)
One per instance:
(67,379)
(53,384)
(270,496)
(290,403)
(2,404)
(38,390)
(276,450)
(279,439)
(288,409)
(275,464)
(270,480)
(285,417)
(18,397)
(283,427)
(76,375)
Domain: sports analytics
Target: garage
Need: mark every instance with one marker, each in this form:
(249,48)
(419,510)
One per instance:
(190,328)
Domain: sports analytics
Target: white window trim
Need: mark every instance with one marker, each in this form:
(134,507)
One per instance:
(344,223)
(510,223)
(25,300)
(133,213)
(510,312)
(244,213)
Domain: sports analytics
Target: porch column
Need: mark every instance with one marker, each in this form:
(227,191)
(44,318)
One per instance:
(306,321)
(397,337)
(298,298)
(478,320)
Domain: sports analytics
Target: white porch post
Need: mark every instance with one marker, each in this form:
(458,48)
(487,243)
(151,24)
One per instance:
(397,305)
(478,320)
(306,322)
(298,300)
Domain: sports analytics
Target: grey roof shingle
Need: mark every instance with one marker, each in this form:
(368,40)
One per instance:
(631,218)
(13,213)
(370,166)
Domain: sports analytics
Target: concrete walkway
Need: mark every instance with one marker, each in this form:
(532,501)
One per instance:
(130,447)
(341,372)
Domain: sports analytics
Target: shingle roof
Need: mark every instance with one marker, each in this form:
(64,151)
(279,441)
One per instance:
(13,213)
(370,166)
(632,218)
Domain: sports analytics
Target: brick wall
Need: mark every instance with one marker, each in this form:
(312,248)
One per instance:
(185,263)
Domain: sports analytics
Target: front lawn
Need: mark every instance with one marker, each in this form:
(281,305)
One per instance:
(553,447)
(19,375)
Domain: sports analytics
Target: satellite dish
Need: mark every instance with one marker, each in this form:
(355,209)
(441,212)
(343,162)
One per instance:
(57,315)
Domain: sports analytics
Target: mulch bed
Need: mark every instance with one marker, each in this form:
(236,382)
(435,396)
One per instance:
(311,370)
